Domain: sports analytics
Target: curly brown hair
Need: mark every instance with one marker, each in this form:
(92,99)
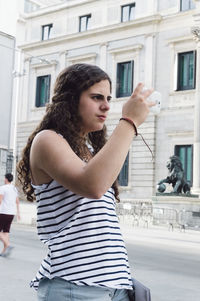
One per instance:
(62,117)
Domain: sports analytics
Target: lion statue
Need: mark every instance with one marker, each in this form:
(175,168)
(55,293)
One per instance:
(175,177)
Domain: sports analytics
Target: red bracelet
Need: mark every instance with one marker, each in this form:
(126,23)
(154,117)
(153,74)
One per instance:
(136,132)
(131,122)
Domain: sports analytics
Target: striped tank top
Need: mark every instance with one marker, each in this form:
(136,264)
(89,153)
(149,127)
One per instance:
(85,245)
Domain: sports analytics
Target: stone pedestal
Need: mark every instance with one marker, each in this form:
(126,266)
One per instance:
(176,210)
(178,202)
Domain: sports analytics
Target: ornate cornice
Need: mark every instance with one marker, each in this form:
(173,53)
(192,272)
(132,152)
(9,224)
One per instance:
(196,33)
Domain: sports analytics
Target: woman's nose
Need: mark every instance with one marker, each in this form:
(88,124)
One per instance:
(105,106)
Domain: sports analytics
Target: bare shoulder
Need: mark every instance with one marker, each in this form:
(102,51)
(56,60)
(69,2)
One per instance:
(52,157)
(48,138)
(48,151)
(46,135)
(47,144)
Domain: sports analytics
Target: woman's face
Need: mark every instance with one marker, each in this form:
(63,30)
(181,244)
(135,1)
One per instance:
(94,106)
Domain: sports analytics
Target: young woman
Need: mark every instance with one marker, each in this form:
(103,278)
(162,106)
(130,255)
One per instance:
(72,171)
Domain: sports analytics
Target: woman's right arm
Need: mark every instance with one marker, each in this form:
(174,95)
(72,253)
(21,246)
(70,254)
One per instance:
(52,155)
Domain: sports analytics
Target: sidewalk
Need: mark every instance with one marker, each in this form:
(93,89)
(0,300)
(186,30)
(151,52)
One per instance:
(167,262)
(155,235)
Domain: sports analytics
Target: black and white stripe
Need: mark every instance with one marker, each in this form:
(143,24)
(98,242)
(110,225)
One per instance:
(83,237)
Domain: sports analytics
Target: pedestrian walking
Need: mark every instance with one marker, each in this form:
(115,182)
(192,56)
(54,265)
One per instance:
(9,207)
(71,169)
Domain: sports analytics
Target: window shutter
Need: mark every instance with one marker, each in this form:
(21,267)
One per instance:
(123,176)
(125,79)
(42,90)
(185,153)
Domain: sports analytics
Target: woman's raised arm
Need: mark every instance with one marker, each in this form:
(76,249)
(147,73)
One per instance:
(52,156)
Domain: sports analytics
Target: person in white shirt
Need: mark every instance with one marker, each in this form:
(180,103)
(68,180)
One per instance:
(9,207)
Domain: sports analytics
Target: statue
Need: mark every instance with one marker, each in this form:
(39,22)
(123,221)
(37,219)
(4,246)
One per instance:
(176,177)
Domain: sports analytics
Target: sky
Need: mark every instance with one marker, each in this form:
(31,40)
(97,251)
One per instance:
(8,16)
(9,13)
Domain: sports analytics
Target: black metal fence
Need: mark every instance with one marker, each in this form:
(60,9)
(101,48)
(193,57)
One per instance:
(188,218)
(145,215)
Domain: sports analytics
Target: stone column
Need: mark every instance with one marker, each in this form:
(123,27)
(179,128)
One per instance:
(149,61)
(62,59)
(23,92)
(103,56)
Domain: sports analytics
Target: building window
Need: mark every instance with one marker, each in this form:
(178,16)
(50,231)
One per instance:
(46,30)
(187,5)
(42,90)
(124,79)
(186,70)
(123,176)
(128,12)
(185,153)
(9,163)
(84,23)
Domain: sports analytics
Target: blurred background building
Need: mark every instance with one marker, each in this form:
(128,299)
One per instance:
(7,45)
(150,41)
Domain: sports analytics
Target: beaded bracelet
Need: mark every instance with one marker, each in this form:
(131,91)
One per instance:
(136,132)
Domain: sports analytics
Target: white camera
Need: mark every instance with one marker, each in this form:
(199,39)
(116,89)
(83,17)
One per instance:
(155,97)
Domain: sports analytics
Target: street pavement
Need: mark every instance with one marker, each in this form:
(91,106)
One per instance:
(167,262)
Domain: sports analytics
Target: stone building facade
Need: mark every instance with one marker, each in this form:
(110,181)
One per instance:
(133,41)
(7,44)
